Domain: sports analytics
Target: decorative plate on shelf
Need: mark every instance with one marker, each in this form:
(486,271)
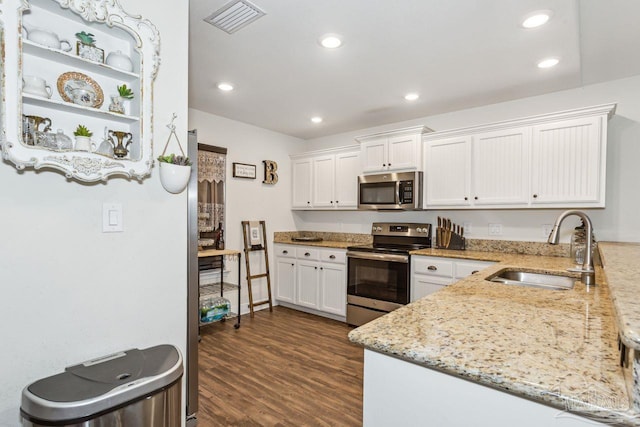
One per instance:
(70,81)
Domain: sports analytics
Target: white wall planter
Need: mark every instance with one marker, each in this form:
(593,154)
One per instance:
(174,178)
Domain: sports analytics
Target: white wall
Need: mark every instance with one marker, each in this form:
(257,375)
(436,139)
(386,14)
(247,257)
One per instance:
(250,199)
(617,222)
(71,293)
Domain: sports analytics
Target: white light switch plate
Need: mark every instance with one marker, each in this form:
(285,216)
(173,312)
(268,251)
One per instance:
(112,218)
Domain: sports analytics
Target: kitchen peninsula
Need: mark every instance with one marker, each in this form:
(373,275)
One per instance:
(484,353)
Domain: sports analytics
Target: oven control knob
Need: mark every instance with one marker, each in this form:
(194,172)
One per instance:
(419,230)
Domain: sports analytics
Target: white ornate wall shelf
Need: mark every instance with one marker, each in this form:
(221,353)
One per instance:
(37,58)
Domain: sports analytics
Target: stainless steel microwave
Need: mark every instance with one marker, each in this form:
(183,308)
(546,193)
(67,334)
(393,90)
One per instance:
(390,191)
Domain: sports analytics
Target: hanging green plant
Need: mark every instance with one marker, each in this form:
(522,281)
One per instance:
(175,160)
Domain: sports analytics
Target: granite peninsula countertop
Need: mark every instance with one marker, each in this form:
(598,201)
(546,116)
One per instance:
(555,347)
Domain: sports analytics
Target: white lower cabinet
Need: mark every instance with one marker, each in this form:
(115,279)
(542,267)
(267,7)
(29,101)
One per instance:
(333,291)
(286,274)
(312,279)
(430,274)
(307,284)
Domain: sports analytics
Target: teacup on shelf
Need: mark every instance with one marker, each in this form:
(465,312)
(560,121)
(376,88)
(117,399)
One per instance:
(84,97)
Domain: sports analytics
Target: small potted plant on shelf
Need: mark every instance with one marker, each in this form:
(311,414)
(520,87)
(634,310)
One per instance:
(83,139)
(174,170)
(86,48)
(117,101)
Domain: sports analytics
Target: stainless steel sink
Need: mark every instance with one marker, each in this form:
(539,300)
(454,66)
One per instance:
(534,280)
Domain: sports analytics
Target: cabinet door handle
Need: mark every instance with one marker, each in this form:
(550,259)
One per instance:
(332,257)
(307,254)
(384,165)
(432,268)
(535,196)
(388,164)
(315,268)
(321,268)
(474,271)
(332,202)
(292,265)
(476,198)
(466,198)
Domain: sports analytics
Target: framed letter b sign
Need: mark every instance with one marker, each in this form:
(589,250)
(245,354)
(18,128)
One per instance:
(270,174)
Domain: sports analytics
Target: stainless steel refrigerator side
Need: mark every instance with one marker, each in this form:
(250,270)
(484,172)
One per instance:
(192,284)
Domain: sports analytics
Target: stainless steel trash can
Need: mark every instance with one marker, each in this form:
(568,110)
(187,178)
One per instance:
(131,388)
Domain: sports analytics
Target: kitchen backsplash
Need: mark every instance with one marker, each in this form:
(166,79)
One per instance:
(518,247)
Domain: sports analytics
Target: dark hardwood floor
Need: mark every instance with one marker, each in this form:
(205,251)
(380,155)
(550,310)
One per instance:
(285,368)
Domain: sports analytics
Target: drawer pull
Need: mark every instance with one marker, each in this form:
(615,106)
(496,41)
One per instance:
(432,268)
(285,252)
(332,257)
(474,271)
(307,254)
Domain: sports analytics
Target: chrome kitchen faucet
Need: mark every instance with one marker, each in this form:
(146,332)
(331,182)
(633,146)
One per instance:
(588,273)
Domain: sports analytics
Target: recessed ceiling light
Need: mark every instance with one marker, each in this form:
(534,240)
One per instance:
(548,63)
(411,96)
(330,41)
(536,19)
(225,86)
(316,119)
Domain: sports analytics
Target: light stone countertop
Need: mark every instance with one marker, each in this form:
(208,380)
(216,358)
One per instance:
(556,347)
(323,244)
(622,267)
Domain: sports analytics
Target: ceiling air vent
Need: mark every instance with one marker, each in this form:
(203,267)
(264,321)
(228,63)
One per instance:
(234,16)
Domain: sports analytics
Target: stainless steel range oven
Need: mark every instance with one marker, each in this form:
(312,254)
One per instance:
(379,274)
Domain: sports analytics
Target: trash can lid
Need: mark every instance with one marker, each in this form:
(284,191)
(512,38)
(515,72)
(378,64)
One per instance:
(100,384)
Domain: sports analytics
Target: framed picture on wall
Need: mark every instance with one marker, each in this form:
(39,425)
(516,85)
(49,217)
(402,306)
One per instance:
(243,170)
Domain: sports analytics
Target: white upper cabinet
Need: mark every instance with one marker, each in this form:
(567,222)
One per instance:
(346,182)
(568,161)
(399,150)
(326,179)
(68,83)
(301,183)
(448,171)
(553,160)
(374,156)
(324,169)
(500,173)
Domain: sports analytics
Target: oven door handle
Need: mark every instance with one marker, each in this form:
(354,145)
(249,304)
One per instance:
(378,257)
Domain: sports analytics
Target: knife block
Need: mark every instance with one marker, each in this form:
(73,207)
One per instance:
(449,240)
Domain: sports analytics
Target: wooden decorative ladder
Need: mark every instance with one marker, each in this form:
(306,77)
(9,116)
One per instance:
(248,248)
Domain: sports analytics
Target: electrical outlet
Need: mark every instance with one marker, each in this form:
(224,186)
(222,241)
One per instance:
(495,229)
(546,229)
(467,228)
